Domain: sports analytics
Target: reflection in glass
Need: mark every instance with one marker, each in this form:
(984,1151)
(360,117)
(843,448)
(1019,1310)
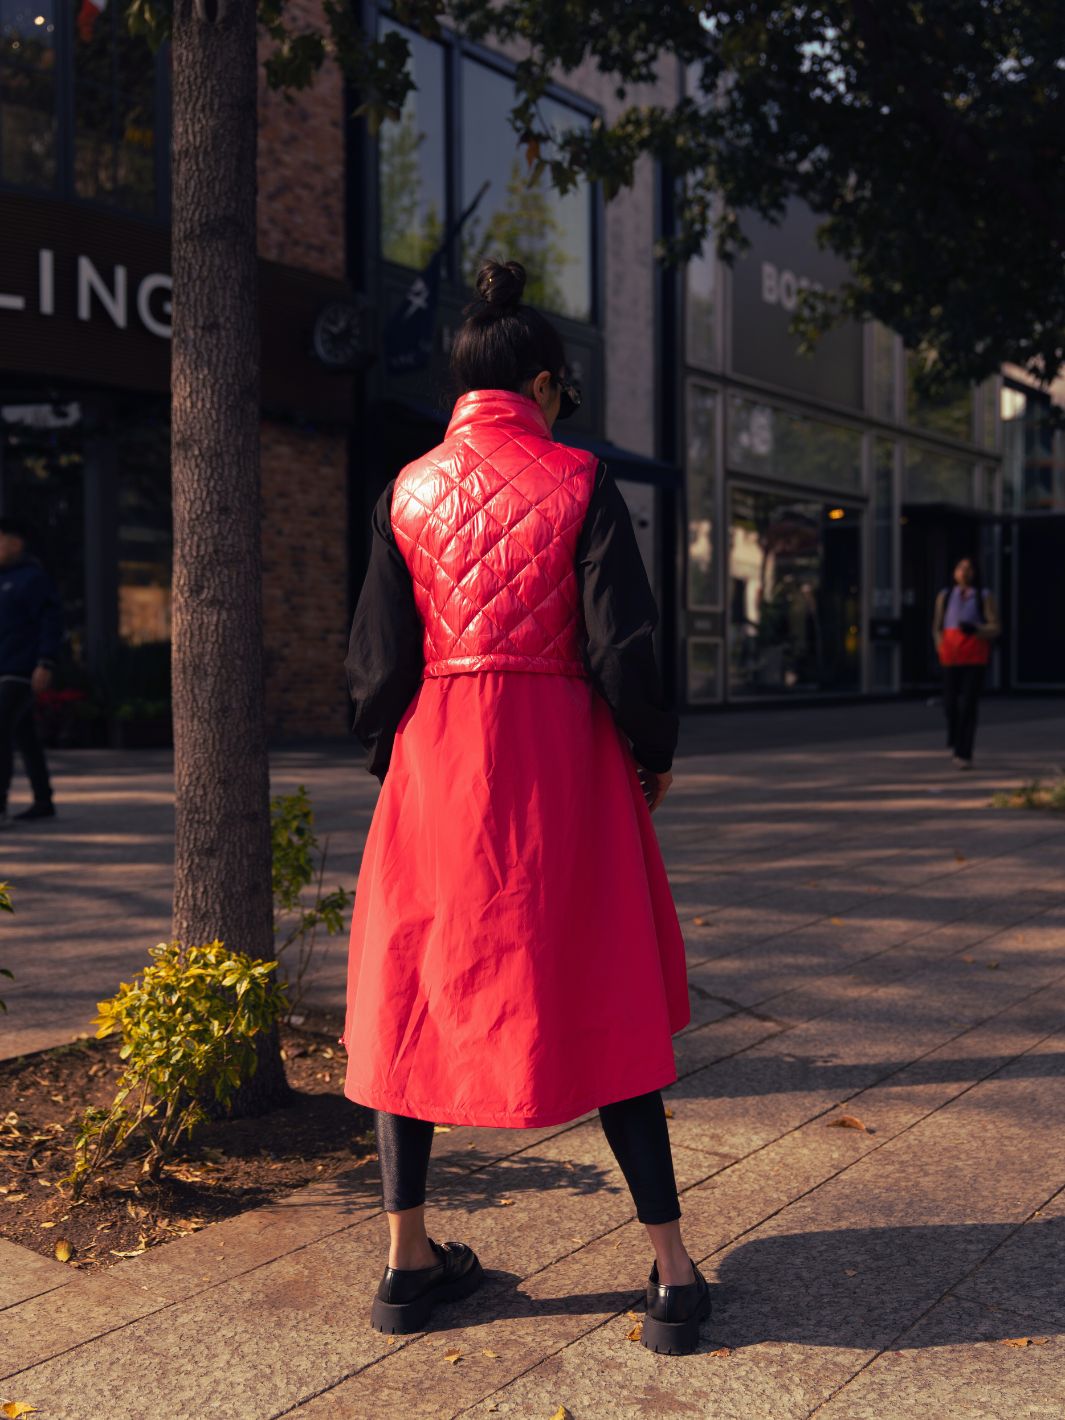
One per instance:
(412,163)
(883,526)
(144,527)
(700,296)
(114,101)
(795,599)
(884,344)
(42,480)
(701,490)
(932,477)
(27,93)
(950,415)
(1033,479)
(778,444)
(704,671)
(519,219)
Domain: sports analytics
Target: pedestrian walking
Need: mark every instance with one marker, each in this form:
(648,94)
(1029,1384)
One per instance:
(31,628)
(964,624)
(515,958)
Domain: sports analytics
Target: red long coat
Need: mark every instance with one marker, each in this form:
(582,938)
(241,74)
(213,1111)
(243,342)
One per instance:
(515,954)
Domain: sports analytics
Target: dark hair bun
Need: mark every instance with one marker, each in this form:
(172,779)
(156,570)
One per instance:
(501,284)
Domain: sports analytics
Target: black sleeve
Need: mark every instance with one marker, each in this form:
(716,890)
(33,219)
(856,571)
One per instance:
(620,615)
(384,661)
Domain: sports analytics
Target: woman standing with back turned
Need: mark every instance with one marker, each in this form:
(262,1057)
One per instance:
(515,959)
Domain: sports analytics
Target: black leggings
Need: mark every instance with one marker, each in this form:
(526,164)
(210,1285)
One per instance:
(635,1129)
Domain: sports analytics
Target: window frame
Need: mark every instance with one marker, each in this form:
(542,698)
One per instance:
(64,189)
(456,50)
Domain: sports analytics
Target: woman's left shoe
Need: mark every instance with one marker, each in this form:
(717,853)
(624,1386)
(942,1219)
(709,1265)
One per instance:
(671,1325)
(406,1296)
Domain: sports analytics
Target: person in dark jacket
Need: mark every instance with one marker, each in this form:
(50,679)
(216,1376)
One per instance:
(31,627)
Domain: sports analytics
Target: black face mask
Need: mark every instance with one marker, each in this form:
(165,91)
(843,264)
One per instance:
(570,400)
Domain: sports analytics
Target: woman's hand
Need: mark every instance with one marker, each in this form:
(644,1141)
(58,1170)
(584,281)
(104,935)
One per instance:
(655,786)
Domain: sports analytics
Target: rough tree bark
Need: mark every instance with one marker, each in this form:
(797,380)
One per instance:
(222,818)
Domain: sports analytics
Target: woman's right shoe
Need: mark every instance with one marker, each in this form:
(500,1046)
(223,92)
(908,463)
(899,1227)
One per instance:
(671,1325)
(406,1296)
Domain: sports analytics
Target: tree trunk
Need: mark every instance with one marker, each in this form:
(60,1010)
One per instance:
(222,813)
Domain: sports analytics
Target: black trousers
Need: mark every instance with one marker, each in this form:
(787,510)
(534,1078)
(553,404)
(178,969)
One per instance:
(961,698)
(17,727)
(635,1129)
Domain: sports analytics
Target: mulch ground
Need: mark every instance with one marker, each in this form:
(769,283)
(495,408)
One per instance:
(225,1168)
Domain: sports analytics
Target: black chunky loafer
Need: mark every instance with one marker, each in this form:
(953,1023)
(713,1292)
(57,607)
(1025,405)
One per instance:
(671,1325)
(406,1296)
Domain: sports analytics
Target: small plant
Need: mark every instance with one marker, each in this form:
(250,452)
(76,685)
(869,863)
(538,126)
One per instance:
(1033,794)
(295,847)
(5,906)
(188,1024)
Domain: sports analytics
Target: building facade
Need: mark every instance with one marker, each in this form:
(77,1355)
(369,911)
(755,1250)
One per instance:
(84,357)
(796,513)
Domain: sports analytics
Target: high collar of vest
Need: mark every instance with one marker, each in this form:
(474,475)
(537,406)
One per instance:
(498,407)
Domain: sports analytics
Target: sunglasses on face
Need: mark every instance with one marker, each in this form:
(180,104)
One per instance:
(570,400)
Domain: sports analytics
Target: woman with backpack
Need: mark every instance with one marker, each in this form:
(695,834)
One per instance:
(515,957)
(964,625)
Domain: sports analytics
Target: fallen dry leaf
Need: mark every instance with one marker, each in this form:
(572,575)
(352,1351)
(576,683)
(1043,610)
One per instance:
(64,1249)
(850,1272)
(492,1355)
(14,1408)
(562,1414)
(441,1128)
(698,921)
(1024,1341)
(452,1357)
(846,1121)
(47,1225)
(505,1202)
(836,921)
(635,1333)
(722,1351)
(15,1197)
(669,1112)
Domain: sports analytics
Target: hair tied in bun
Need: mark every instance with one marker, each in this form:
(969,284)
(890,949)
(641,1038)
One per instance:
(501,285)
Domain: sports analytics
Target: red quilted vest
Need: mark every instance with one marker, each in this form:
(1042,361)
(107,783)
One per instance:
(488,524)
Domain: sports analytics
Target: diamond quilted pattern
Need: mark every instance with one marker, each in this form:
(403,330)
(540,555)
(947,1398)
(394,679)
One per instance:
(488,524)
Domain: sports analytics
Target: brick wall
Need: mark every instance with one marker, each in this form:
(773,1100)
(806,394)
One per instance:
(304,472)
(301,163)
(304,579)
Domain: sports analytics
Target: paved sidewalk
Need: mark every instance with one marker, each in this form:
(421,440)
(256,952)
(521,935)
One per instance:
(866,937)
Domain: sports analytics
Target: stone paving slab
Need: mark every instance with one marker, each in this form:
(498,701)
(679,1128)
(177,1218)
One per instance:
(932,1009)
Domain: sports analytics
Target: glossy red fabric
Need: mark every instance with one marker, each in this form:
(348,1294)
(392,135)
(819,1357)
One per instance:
(961,648)
(515,955)
(488,523)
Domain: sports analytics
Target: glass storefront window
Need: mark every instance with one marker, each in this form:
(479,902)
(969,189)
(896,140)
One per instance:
(551,235)
(28,93)
(704,671)
(950,416)
(145,534)
(701,484)
(793,447)
(794,595)
(883,373)
(114,110)
(883,527)
(987,418)
(932,477)
(1033,478)
(700,307)
(412,165)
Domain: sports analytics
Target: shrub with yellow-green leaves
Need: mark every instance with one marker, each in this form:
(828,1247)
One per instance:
(188,1025)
